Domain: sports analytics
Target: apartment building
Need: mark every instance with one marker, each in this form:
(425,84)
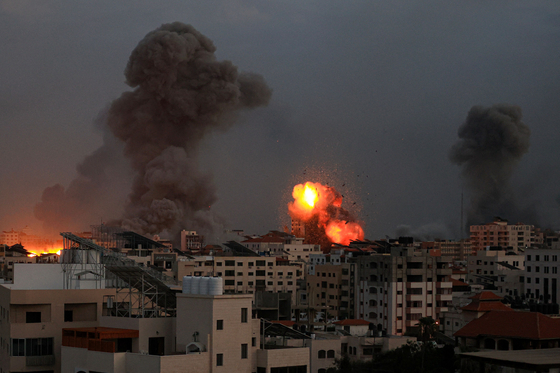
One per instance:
(395,290)
(458,250)
(213,333)
(247,274)
(500,233)
(332,288)
(500,270)
(541,275)
(32,318)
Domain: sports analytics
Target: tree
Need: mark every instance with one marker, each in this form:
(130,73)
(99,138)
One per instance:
(427,328)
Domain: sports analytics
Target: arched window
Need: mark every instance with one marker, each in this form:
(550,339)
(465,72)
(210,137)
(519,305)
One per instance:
(330,354)
(373,303)
(323,370)
(373,278)
(373,290)
(503,345)
(373,315)
(322,354)
(373,265)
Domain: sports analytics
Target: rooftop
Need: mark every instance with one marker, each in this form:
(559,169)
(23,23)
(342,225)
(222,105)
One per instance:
(526,325)
(351,322)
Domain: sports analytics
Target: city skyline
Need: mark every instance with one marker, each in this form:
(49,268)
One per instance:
(366,97)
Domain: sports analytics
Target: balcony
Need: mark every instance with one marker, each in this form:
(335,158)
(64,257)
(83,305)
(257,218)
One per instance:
(414,271)
(35,361)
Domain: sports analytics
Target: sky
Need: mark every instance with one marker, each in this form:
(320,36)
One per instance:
(367,97)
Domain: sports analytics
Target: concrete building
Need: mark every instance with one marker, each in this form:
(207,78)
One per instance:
(396,290)
(541,275)
(247,274)
(332,288)
(191,241)
(500,233)
(499,270)
(33,314)
(213,333)
(458,250)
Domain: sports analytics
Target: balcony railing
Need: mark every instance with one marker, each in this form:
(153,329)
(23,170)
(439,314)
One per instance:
(34,361)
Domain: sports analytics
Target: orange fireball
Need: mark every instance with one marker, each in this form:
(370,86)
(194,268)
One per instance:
(320,205)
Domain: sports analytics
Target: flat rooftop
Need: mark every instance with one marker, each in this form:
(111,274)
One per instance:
(537,360)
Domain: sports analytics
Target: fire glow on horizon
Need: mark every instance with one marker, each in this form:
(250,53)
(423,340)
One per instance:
(314,201)
(38,251)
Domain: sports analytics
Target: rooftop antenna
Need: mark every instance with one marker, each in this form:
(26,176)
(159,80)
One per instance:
(461,232)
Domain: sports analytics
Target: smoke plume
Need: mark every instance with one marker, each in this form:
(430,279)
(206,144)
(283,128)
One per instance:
(491,143)
(181,93)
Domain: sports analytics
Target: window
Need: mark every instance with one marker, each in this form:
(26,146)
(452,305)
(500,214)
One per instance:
(322,354)
(229,282)
(219,360)
(330,354)
(528,280)
(32,347)
(68,315)
(230,273)
(529,269)
(32,317)
(244,351)
(253,341)
(18,347)
(230,263)
(240,264)
(261,273)
(219,324)
(537,269)
(244,315)
(545,269)
(528,258)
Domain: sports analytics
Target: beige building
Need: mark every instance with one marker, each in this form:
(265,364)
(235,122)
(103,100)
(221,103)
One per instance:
(247,274)
(500,233)
(213,333)
(32,321)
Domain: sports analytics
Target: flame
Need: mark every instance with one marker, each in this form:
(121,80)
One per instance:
(323,203)
(310,195)
(39,250)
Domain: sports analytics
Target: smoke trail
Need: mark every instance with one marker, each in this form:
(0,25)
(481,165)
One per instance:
(491,143)
(181,92)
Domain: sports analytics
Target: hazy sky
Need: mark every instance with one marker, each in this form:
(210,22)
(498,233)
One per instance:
(367,96)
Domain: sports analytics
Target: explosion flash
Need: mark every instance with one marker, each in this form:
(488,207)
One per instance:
(320,205)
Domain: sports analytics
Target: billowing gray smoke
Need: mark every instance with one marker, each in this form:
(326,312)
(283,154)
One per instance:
(181,92)
(491,143)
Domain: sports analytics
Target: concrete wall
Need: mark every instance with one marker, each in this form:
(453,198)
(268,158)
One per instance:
(284,357)
(74,359)
(50,325)
(199,313)
(147,328)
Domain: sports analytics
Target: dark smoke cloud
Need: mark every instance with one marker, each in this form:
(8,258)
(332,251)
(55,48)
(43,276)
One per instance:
(181,92)
(491,143)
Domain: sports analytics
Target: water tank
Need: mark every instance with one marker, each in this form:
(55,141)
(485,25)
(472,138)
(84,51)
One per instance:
(215,286)
(203,287)
(195,285)
(187,284)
